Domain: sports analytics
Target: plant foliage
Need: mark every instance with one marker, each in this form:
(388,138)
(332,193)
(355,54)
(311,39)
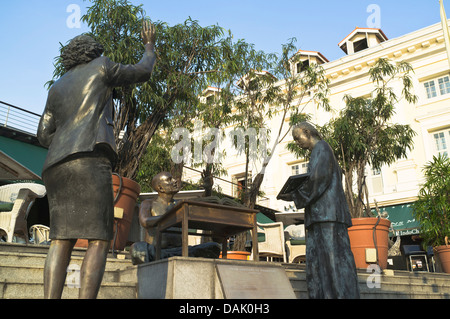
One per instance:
(363,133)
(432,209)
(186,53)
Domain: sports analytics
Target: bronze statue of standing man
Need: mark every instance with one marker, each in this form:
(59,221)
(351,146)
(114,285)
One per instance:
(330,266)
(77,127)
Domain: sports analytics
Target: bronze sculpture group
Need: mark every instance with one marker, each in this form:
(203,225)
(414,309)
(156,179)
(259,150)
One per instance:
(77,128)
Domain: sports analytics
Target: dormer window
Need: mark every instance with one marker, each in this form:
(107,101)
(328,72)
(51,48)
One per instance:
(360,45)
(210,99)
(302,66)
(304,59)
(249,81)
(253,85)
(209,95)
(361,39)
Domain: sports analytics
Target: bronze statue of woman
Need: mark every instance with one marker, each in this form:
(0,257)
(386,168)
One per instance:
(77,127)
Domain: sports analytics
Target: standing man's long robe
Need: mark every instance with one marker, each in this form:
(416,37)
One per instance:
(330,266)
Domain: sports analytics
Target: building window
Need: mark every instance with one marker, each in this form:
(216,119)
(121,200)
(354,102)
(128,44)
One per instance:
(375,179)
(376,171)
(302,66)
(210,99)
(431,89)
(360,45)
(444,87)
(299,168)
(240,184)
(441,142)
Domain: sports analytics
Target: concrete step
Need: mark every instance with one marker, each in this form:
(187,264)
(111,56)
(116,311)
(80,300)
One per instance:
(38,259)
(404,284)
(31,259)
(36,274)
(297,277)
(22,273)
(35,290)
(31,266)
(21,277)
(391,285)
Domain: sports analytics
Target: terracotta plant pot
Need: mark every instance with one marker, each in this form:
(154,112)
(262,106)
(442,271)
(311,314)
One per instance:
(237,255)
(362,237)
(126,200)
(443,254)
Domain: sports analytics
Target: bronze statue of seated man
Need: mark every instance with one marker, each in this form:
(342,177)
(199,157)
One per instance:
(150,212)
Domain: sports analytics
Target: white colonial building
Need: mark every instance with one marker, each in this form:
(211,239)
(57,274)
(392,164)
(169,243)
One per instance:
(393,187)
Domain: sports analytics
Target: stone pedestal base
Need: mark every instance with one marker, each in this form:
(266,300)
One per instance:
(201,278)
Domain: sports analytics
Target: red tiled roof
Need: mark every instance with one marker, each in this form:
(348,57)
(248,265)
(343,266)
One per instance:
(315,53)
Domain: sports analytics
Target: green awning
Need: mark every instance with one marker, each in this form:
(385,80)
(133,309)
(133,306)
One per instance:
(402,219)
(27,156)
(263,219)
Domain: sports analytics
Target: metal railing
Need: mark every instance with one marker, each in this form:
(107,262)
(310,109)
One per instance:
(19,119)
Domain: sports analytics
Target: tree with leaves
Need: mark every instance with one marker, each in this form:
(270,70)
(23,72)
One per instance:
(364,135)
(263,96)
(283,94)
(209,111)
(185,54)
(432,209)
(155,160)
(256,92)
(215,110)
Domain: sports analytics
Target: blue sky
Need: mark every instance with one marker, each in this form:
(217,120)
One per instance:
(31,30)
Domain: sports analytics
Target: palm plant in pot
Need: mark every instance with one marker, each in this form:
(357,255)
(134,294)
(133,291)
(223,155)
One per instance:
(432,209)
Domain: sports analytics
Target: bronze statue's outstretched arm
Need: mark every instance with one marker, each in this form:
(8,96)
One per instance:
(118,75)
(148,34)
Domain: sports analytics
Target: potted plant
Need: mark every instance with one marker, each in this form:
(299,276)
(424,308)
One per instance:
(369,233)
(432,209)
(363,135)
(126,193)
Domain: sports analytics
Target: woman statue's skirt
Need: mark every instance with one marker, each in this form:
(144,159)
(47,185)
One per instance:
(80,197)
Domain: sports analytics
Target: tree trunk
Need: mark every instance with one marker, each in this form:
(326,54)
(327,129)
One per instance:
(254,191)
(250,202)
(208,180)
(360,178)
(366,193)
(177,172)
(349,191)
(132,150)
(239,242)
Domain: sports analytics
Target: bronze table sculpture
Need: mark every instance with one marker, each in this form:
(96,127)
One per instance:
(77,128)
(330,266)
(149,215)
